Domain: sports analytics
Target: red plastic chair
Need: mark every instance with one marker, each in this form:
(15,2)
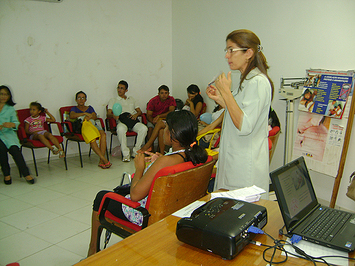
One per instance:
(71,136)
(173,188)
(35,144)
(111,126)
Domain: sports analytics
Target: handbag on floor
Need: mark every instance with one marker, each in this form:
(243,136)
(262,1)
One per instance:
(351,187)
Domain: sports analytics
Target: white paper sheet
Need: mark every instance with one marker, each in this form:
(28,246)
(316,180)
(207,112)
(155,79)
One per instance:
(186,211)
(249,194)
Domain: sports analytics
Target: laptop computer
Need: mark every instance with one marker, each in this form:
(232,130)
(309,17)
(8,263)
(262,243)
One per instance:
(301,211)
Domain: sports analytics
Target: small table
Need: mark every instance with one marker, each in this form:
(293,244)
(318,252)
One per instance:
(158,245)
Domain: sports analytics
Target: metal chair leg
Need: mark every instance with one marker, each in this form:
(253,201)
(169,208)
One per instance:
(49,156)
(19,171)
(65,157)
(81,159)
(66,148)
(34,161)
(111,143)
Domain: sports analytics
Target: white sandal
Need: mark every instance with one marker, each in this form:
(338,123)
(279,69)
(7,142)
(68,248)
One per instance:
(61,154)
(55,150)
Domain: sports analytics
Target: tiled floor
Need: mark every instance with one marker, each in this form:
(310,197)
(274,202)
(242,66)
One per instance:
(48,223)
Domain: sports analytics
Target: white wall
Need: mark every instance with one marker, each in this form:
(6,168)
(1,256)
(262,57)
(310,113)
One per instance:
(49,51)
(296,35)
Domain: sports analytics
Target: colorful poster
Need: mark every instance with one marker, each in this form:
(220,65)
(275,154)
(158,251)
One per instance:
(326,92)
(319,137)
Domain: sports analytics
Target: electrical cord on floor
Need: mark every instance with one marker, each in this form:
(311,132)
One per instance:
(279,245)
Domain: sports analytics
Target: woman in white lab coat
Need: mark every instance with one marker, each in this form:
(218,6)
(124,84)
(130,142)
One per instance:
(244,154)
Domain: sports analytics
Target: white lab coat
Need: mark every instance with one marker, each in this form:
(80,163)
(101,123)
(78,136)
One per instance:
(244,154)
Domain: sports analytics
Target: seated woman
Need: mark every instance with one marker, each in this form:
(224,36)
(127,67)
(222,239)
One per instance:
(194,104)
(87,112)
(180,133)
(9,142)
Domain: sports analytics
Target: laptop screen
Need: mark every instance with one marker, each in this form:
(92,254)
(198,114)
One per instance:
(294,191)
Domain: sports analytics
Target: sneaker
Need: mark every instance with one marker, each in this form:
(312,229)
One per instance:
(126,158)
(134,154)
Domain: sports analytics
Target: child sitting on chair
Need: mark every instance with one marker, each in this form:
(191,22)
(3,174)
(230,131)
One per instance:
(180,133)
(34,126)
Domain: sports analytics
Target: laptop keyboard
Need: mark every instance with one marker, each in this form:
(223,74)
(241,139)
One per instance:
(326,225)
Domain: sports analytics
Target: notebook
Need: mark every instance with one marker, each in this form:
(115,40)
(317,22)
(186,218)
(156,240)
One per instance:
(301,211)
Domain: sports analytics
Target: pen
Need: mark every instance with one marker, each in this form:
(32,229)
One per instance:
(214,79)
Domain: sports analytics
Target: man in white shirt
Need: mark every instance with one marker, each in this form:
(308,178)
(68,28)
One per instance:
(128,104)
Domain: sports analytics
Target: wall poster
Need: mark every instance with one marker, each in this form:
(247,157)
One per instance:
(324,106)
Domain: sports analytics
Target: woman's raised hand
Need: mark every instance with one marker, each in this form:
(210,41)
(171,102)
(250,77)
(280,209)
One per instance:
(214,94)
(139,162)
(152,156)
(224,83)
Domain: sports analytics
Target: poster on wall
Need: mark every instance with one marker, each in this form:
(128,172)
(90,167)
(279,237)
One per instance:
(321,126)
(326,92)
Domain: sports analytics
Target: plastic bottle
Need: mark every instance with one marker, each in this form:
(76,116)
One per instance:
(65,118)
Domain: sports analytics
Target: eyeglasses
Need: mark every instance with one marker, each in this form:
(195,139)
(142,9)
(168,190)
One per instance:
(81,98)
(231,50)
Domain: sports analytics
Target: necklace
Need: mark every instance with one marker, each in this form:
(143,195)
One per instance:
(174,152)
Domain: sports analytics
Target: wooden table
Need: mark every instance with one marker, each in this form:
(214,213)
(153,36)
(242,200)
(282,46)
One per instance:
(158,245)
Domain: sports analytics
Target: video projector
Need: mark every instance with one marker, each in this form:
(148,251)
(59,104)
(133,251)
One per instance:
(220,226)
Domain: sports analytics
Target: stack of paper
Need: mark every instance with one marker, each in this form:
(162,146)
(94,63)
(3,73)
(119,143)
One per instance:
(249,194)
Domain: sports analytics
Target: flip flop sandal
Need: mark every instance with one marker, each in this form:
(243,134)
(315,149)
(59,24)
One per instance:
(102,165)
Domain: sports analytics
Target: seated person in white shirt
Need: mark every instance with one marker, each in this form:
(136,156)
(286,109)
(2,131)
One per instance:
(129,105)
